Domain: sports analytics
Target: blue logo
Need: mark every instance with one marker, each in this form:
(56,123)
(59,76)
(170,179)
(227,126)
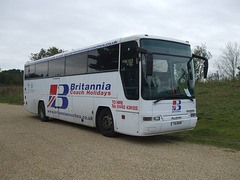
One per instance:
(54,94)
(176,107)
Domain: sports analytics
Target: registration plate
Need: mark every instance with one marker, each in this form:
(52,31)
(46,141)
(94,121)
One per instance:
(176,123)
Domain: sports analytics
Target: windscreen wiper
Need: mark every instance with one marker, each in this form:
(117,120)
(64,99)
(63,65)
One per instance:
(173,96)
(163,98)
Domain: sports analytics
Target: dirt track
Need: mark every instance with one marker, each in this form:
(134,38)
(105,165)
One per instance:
(31,149)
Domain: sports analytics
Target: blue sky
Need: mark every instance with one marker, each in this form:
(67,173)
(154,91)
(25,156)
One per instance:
(26,26)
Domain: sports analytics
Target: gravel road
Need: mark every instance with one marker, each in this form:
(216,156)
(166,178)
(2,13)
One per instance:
(31,149)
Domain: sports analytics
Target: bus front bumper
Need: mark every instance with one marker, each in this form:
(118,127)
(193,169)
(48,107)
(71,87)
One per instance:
(149,128)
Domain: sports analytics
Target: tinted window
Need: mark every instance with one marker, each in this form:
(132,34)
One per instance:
(103,59)
(32,72)
(56,67)
(76,64)
(165,47)
(42,69)
(26,72)
(130,70)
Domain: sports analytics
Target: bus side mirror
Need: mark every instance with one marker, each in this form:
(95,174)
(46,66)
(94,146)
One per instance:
(205,70)
(149,64)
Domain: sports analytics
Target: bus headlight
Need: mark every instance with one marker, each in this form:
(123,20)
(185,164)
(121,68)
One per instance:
(158,118)
(147,118)
(193,115)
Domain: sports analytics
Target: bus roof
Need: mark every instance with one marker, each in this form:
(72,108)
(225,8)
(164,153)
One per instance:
(105,44)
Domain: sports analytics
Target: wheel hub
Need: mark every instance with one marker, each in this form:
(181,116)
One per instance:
(107,122)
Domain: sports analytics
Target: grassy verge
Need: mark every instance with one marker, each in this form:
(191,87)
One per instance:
(11,94)
(218,110)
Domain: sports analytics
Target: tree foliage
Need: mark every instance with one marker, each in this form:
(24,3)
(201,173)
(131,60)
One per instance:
(199,65)
(45,53)
(11,77)
(230,60)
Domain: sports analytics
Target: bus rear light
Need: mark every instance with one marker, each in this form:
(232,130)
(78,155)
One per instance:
(123,116)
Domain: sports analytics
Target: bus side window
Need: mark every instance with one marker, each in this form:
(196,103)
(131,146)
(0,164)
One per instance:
(42,70)
(27,71)
(76,64)
(103,59)
(56,67)
(32,72)
(130,70)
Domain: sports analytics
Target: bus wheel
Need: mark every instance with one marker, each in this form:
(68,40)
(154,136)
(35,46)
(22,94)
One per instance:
(41,112)
(105,123)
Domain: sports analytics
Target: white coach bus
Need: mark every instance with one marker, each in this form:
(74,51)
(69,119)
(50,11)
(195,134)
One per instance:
(140,85)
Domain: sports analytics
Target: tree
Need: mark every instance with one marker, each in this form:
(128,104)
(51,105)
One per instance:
(11,77)
(230,60)
(214,76)
(46,53)
(199,65)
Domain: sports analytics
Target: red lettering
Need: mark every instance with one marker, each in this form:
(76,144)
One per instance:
(132,108)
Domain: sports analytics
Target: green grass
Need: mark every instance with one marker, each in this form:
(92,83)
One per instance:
(11,94)
(218,110)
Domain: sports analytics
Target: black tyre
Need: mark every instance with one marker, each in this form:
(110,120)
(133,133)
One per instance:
(42,112)
(105,123)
